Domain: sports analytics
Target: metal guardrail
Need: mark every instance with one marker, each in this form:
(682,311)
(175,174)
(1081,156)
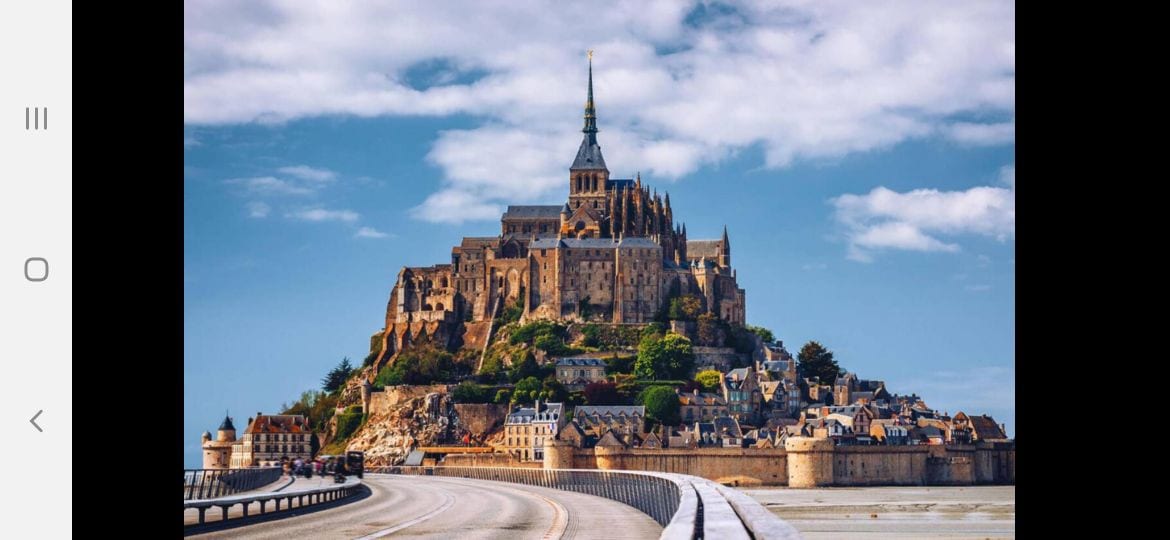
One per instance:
(688,507)
(313,496)
(211,483)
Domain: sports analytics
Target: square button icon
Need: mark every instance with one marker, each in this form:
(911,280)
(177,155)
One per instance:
(36,269)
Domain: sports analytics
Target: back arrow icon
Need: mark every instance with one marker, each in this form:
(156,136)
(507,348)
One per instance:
(33,421)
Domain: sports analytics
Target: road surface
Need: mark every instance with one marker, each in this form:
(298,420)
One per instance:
(443,507)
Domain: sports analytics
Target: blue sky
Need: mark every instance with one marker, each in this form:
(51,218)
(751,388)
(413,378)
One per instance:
(865,172)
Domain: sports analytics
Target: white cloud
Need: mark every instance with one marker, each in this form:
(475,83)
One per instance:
(370,232)
(321,214)
(304,172)
(817,266)
(1007,176)
(190,141)
(978,288)
(982,134)
(800,80)
(270,185)
(455,206)
(258,209)
(886,219)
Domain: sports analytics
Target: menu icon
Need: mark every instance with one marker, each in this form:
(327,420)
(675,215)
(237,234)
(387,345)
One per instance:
(36,118)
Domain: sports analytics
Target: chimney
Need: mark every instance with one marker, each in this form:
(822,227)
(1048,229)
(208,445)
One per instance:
(537,408)
(696,391)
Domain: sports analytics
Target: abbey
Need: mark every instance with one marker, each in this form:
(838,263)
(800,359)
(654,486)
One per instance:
(611,253)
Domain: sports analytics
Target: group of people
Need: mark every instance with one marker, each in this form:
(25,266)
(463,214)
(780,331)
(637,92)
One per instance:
(300,467)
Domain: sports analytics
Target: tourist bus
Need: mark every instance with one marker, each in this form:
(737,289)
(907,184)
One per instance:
(355,463)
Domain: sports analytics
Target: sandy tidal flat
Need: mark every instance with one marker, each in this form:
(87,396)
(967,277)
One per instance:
(895,512)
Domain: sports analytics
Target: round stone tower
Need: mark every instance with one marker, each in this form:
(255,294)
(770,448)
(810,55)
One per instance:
(810,462)
(227,431)
(367,392)
(558,454)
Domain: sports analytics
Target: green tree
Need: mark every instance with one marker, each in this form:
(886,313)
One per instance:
(552,390)
(685,308)
(491,370)
(591,335)
(424,364)
(653,329)
(764,333)
(337,376)
(814,360)
(503,396)
(662,405)
(527,367)
(707,331)
(620,364)
(348,423)
(670,357)
(527,390)
(709,379)
(469,392)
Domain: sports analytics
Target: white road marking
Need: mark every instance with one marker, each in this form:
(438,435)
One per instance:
(384,532)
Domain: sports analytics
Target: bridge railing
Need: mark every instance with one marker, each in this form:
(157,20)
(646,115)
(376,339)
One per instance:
(211,483)
(688,507)
(293,499)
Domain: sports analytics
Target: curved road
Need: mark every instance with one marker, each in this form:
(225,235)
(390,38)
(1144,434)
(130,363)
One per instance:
(443,507)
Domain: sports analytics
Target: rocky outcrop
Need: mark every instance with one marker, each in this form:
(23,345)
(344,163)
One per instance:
(404,417)
(400,418)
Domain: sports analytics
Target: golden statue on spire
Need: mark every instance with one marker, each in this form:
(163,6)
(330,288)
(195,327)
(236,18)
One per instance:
(589,53)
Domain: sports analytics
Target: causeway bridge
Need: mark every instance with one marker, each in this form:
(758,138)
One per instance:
(481,502)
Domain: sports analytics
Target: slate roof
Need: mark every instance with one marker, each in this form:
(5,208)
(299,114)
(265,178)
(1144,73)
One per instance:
(615,410)
(580,362)
(703,399)
(227,424)
(588,156)
(729,424)
(526,415)
(702,248)
(535,211)
(477,241)
(592,243)
(617,183)
(986,428)
(775,365)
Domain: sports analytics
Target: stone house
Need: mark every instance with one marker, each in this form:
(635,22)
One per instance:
(889,432)
(598,419)
(575,373)
(701,406)
(271,439)
(741,389)
(526,429)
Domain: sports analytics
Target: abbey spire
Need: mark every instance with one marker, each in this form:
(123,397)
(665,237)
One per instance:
(589,154)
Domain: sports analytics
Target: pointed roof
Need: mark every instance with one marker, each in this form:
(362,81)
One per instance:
(227,424)
(589,154)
